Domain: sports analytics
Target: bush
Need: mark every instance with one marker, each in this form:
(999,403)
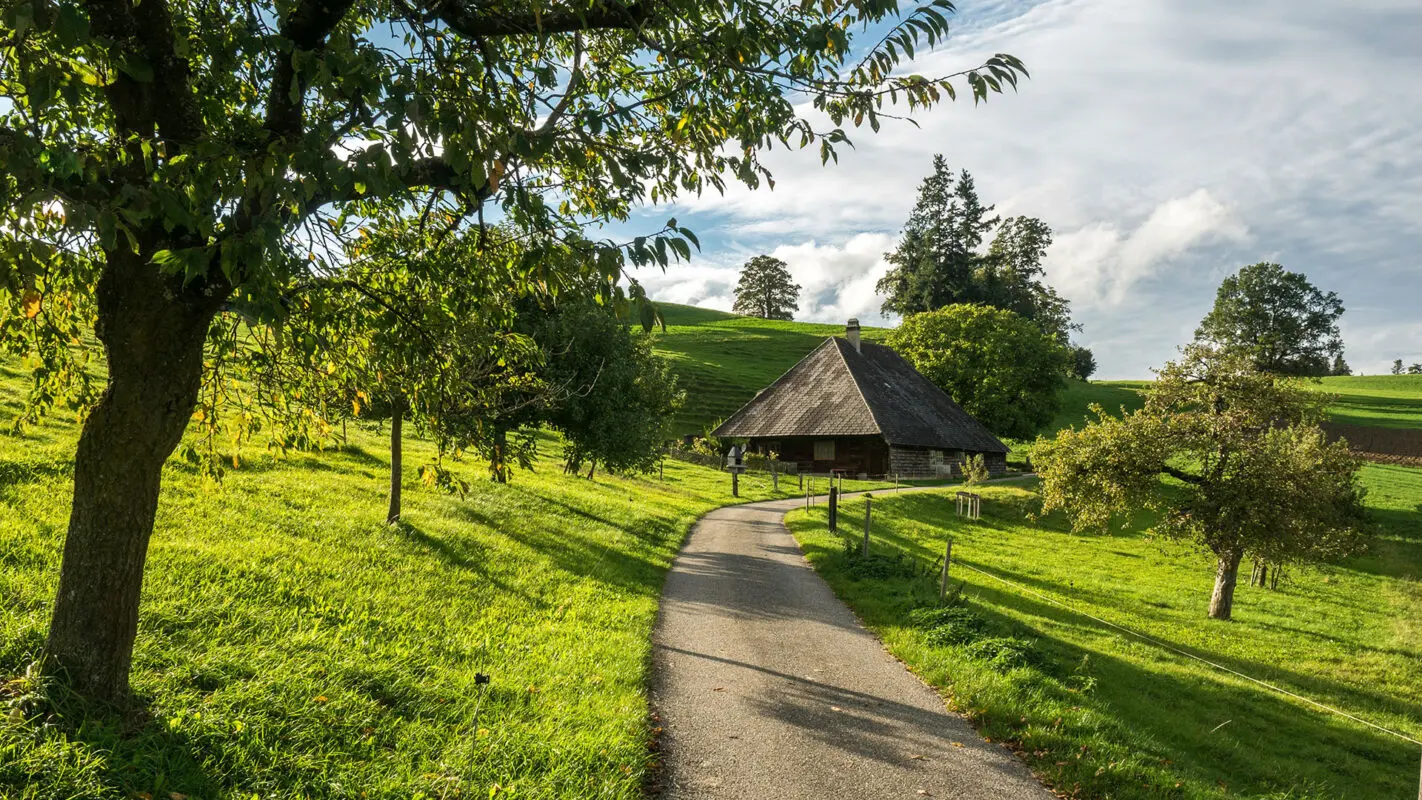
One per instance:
(1004,653)
(950,625)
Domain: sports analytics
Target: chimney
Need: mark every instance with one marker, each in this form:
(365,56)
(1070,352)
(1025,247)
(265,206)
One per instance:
(851,332)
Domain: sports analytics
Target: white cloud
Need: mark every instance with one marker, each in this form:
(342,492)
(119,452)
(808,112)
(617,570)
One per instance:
(1168,143)
(1099,264)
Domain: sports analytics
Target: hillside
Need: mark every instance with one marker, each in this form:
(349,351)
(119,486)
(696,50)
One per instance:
(1103,714)
(292,644)
(723,359)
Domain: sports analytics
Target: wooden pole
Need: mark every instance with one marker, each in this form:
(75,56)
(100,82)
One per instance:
(868,510)
(833,508)
(735,483)
(774,477)
(943,583)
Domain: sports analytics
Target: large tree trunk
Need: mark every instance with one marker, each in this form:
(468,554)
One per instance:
(1226,575)
(397,462)
(153,330)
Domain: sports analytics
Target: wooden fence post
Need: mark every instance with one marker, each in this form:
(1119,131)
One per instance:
(833,508)
(774,477)
(735,483)
(943,583)
(868,510)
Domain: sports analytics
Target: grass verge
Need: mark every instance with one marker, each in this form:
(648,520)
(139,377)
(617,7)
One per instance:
(292,644)
(1101,714)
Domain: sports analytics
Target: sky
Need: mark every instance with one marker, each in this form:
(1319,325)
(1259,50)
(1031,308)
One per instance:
(1166,142)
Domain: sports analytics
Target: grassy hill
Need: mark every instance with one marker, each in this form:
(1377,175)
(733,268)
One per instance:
(294,645)
(723,359)
(1102,714)
(1380,401)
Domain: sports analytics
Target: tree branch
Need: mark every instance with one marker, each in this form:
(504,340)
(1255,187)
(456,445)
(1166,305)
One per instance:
(307,28)
(1181,475)
(478,23)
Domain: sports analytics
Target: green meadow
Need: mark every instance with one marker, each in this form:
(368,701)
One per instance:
(1380,401)
(1102,714)
(294,645)
(722,359)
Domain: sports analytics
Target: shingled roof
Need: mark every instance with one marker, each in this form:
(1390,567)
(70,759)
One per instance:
(840,391)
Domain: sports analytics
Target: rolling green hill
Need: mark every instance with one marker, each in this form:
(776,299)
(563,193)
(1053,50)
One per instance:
(723,359)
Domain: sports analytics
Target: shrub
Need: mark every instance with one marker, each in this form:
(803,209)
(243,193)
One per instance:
(1004,653)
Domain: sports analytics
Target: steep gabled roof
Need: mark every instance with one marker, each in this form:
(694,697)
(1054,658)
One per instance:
(839,391)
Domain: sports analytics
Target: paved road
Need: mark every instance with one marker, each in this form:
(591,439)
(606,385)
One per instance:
(768,687)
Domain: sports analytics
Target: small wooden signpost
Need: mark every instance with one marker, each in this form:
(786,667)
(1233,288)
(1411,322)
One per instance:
(736,466)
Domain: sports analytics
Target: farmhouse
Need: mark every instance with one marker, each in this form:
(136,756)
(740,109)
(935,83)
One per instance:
(861,408)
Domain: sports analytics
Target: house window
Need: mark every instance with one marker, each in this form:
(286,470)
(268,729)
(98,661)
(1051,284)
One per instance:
(824,450)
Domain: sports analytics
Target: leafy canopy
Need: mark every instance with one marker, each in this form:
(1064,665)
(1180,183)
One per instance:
(1286,323)
(1251,472)
(228,144)
(766,290)
(1000,368)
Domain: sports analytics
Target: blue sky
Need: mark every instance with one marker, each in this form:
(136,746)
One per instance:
(1167,142)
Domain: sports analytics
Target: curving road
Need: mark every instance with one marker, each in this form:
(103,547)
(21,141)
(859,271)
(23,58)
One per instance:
(768,687)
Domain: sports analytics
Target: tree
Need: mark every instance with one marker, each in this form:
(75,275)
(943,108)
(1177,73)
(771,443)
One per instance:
(1339,366)
(1083,363)
(1414,369)
(766,290)
(1282,320)
(1397,366)
(1000,368)
(418,326)
(617,396)
(935,262)
(1011,276)
(1230,457)
(938,261)
(162,165)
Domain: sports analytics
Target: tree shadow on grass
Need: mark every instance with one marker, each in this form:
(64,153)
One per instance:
(1323,689)
(578,555)
(138,752)
(462,553)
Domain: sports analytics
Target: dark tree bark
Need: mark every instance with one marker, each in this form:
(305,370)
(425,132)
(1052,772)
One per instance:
(397,465)
(153,329)
(1226,575)
(501,455)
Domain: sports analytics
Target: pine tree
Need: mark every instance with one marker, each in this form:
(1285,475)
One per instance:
(1011,276)
(937,257)
(766,290)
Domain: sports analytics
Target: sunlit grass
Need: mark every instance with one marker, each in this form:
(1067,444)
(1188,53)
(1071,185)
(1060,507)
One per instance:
(1123,718)
(294,645)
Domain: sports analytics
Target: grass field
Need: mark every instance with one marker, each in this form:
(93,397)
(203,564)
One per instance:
(1105,715)
(294,645)
(1381,401)
(722,359)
